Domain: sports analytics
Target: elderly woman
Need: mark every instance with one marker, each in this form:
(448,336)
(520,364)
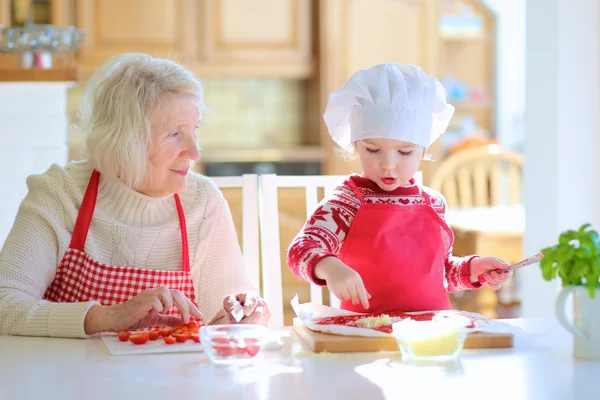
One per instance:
(128,238)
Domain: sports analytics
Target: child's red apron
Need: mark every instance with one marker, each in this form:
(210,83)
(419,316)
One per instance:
(80,278)
(400,252)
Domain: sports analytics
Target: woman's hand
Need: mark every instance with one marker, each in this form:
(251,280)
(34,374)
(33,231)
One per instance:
(342,281)
(141,311)
(491,269)
(251,307)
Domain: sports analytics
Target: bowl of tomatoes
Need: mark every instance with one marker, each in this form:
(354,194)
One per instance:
(233,344)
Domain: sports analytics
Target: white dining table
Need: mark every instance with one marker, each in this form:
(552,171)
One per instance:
(540,366)
(498,219)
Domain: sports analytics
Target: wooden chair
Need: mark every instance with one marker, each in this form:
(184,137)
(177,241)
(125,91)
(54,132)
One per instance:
(250,230)
(480,177)
(269,231)
(473,179)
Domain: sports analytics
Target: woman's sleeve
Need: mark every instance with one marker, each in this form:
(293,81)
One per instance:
(28,263)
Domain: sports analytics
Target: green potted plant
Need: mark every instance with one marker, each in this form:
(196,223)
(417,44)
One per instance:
(576,260)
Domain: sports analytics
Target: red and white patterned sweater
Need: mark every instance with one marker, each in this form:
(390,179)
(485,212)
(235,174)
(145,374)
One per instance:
(325,231)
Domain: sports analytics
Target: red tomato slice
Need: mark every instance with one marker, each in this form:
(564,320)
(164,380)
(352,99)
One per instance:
(139,338)
(169,339)
(252,346)
(166,331)
(193,327)
(154,334)
(181,337)
(180,329)
(224,347)
(195,337)
(123,336)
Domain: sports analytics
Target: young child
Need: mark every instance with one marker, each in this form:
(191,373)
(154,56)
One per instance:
(380,242)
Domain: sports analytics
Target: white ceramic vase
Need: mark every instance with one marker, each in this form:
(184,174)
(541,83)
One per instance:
(586,321)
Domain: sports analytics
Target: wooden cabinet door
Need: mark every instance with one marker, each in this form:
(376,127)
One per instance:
(275,34)
(357,34)
(157,27)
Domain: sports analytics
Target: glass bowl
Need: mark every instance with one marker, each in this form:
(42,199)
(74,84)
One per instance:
(233,344)
(439,340)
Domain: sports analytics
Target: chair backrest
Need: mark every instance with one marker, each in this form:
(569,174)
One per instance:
(269,232)
(480,177)
(250,236)
(270,235)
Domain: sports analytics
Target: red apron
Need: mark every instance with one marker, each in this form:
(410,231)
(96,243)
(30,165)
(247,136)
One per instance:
(400,252)
(80,278)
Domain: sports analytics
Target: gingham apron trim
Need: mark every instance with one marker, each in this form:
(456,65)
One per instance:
(81,278)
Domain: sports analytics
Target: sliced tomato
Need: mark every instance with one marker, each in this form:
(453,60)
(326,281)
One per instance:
(123,336)
(169,339)
(139,338)
(166,331)
(224,347)
(181,337)
(154,334)
(252,346)
(220,341)
(193,327)
(179,329)
(195,337)
(225,351)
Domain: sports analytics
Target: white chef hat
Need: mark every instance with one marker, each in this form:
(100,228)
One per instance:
(388,101)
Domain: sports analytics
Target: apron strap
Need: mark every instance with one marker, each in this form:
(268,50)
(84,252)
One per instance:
(86,212)
(356,191)
(426,197)
(185,257)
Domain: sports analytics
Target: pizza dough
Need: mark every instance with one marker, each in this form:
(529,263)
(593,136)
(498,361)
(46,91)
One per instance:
(330,320)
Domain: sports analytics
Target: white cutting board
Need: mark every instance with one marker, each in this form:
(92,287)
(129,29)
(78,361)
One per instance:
(158,346)
(118,348)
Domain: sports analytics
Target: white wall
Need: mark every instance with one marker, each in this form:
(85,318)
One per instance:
(562,132)
(510,68)
(549,73)
(33,135)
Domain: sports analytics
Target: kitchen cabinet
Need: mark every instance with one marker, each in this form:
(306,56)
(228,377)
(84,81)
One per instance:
(269,37)
(210,37)
(55,12)
(158,27)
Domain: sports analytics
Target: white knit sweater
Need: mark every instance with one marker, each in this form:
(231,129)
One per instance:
(128,229)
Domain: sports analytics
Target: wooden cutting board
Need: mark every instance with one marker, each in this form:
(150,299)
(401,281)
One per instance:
(319,342)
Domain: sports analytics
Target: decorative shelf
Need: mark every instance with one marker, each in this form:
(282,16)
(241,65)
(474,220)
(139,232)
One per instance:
(39,75)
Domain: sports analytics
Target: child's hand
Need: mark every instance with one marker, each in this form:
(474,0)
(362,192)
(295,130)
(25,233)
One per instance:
(342,281)
(488,266)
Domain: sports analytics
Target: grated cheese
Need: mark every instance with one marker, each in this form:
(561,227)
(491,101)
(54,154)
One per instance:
(376,322)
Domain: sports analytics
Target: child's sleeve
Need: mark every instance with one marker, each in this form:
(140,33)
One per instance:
(458,269)
(323,234)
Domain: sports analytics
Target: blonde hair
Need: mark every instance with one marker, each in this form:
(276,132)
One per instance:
(118,106)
